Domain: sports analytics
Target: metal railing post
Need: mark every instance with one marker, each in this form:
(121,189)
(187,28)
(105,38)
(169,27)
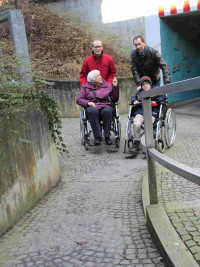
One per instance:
(150,143)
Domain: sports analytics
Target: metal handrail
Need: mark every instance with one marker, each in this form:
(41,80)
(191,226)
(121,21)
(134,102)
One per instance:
(152,154)
(181,169)
(185,85)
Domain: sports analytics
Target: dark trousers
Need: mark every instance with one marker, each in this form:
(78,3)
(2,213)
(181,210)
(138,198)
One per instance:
(95,115)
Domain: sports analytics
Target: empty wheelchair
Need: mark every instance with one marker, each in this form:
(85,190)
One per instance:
(86,130)
(164,128)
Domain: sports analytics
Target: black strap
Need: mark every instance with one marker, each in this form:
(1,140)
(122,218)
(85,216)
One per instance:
(94,93)
(109,98)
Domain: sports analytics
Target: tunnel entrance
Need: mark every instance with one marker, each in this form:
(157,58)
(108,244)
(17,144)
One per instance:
(180,46)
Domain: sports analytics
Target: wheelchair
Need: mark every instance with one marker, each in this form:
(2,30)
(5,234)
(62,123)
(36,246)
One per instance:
(164,128)
(86,130)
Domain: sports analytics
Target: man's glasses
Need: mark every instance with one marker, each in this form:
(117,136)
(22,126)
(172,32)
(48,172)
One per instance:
(97,46)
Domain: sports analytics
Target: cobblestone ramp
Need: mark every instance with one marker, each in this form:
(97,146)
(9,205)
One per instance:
(93,217)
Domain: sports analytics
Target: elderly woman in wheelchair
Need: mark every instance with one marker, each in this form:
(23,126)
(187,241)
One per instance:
(95,97)
(163,120)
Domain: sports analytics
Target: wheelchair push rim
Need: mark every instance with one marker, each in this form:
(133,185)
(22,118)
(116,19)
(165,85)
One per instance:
(170,128)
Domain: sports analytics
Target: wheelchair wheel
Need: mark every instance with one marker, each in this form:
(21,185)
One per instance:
(159,137)
(129,132)
(128,136)
(117,131)
(119,128)
(170,128)
(160,146)
(82,132)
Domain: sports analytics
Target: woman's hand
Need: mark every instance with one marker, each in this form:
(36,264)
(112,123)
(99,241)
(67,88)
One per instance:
(91,104)
(115,81)
(139,87)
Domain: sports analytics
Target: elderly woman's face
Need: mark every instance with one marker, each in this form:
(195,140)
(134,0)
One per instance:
(98,78)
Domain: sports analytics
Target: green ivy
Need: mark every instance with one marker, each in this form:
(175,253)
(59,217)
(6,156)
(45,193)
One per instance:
(18,96)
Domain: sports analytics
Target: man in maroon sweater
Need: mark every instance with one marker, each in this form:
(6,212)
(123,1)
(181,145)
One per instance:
(98,61)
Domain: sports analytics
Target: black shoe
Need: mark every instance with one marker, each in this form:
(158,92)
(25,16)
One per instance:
(108,141)
(96,142)
(135,147)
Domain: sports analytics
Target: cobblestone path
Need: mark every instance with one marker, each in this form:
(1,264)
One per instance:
(187,151)
(93,217)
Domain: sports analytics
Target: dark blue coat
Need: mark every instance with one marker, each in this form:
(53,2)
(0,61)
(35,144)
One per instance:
(137,109)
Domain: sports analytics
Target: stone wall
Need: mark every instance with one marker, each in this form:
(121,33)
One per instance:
(29,164)
(65,93)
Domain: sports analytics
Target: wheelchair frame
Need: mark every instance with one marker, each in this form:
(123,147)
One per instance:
(164,129)
(86,130)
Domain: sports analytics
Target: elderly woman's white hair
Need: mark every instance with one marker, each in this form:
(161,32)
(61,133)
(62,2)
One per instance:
(91,75)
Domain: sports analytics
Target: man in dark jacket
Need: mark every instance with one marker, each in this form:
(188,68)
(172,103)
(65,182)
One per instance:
(146,84)
(147,61)
(98,61)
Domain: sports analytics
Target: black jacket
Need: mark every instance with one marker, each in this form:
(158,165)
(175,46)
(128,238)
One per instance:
(149,65)
(137,109)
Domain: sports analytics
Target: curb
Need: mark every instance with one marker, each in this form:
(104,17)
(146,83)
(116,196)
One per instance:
(171,247)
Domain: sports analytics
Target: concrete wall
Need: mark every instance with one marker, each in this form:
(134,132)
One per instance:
(65,92)
(29,164)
